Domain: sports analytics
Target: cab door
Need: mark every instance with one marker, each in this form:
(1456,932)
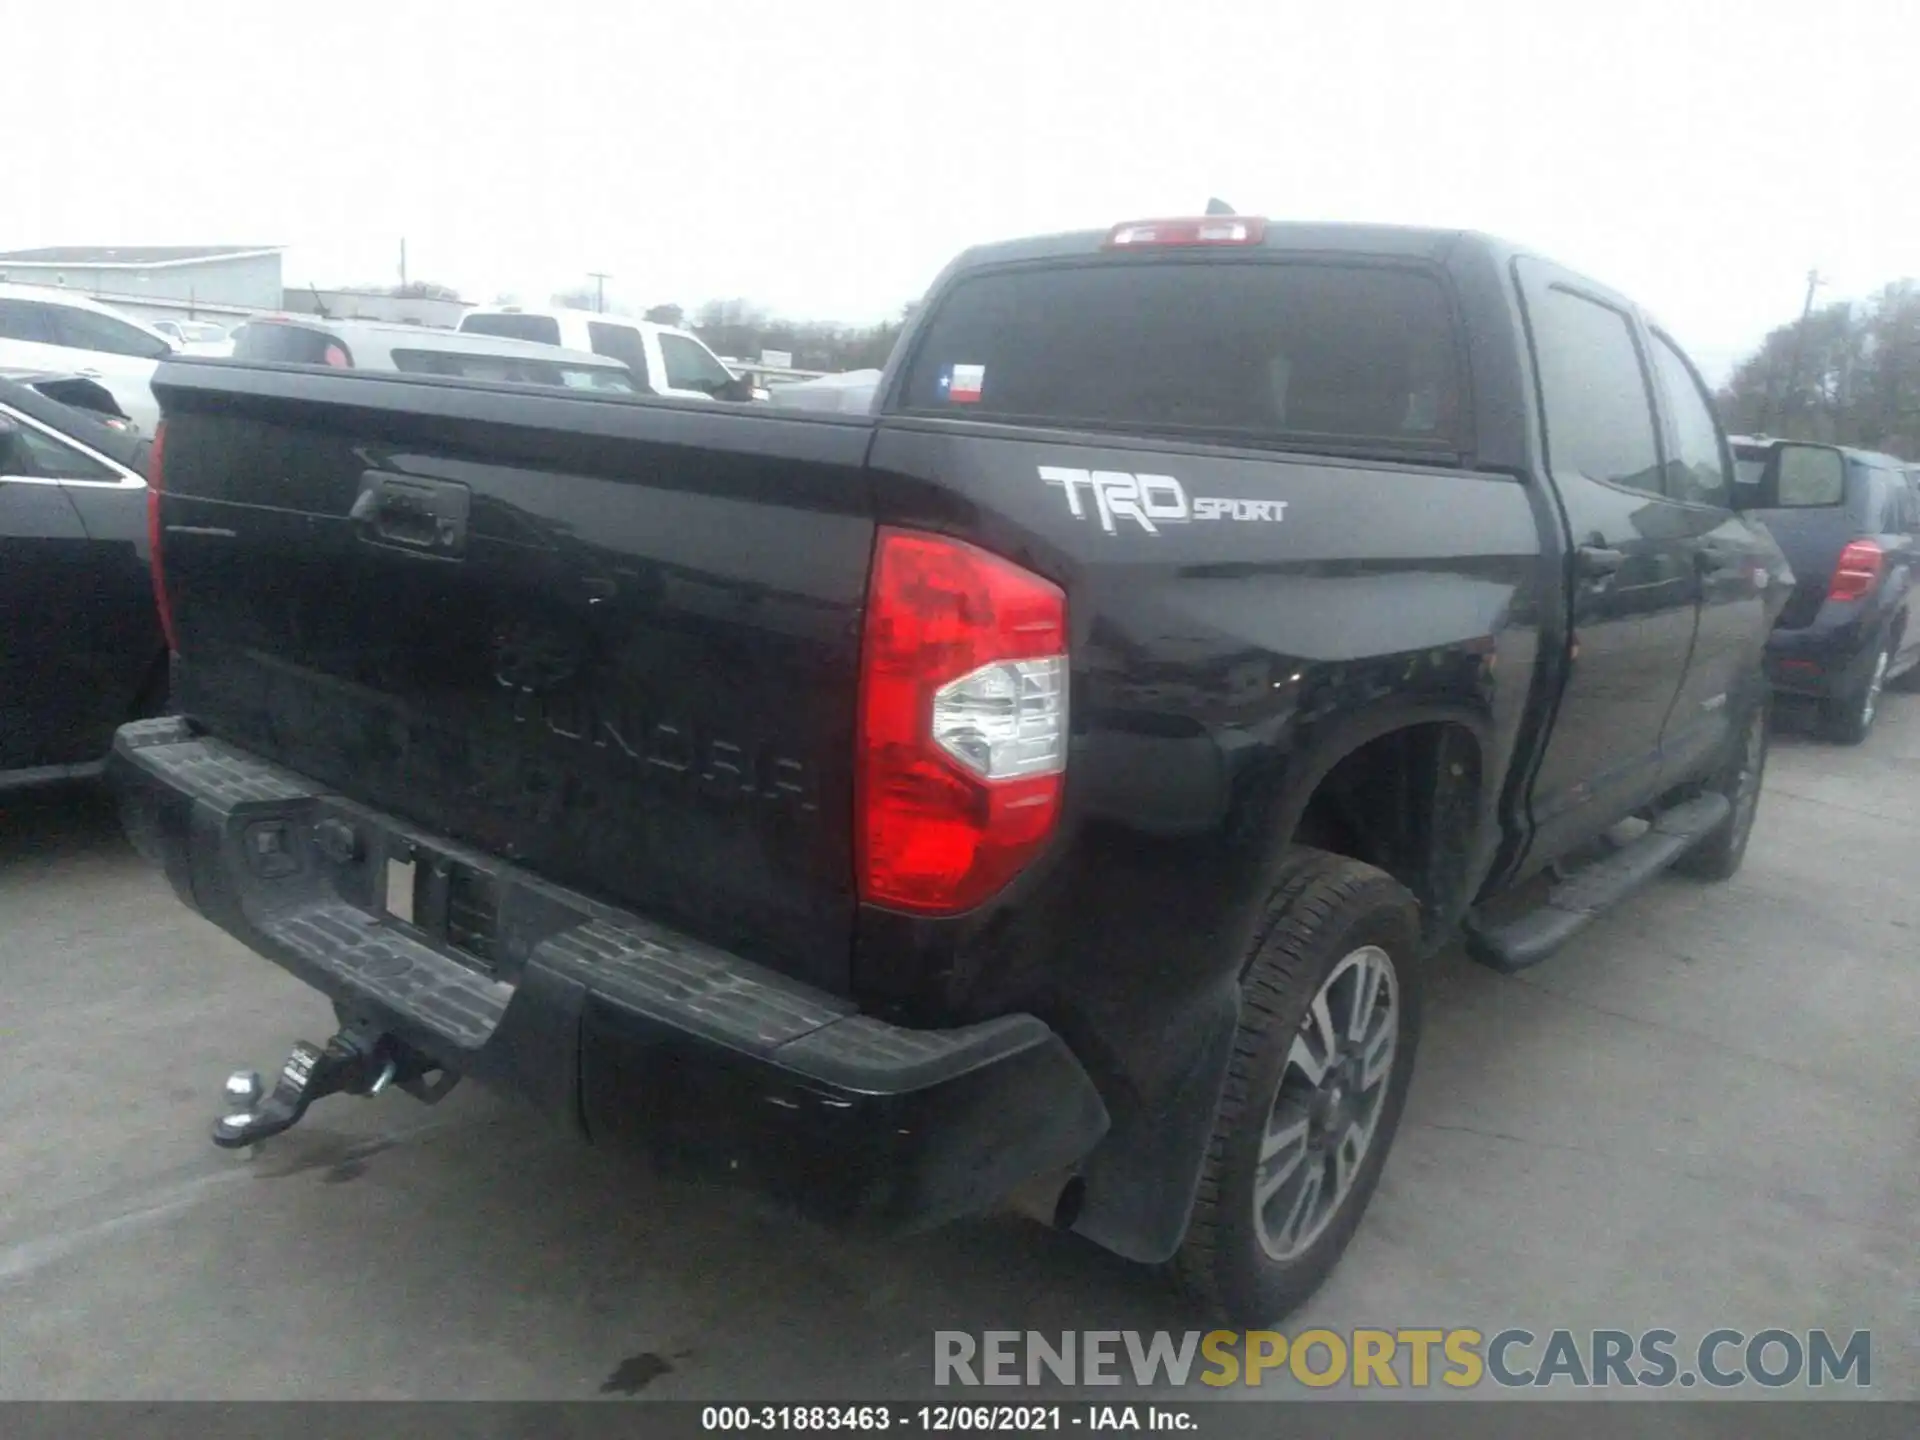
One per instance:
(1734,559)
(1631,587)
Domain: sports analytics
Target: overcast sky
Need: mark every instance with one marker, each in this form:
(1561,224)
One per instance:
(826,157)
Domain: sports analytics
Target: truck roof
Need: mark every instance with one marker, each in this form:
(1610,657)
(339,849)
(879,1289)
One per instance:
(1413,241)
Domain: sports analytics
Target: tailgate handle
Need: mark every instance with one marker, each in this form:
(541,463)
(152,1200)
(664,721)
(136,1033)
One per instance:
(425,516)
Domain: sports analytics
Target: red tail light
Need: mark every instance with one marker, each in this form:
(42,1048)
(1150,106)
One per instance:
(155,487)
(1858,571)
(1200,230)
(963,723)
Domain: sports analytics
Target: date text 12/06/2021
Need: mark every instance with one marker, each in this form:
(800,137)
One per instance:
(949,1419)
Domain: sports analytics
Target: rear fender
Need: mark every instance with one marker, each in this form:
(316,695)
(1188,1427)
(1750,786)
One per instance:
(1141,1180)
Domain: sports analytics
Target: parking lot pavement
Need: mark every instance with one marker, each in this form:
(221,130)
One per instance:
(1702,1114)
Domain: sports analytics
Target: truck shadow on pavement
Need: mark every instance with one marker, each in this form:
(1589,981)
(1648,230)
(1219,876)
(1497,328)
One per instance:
(58,823)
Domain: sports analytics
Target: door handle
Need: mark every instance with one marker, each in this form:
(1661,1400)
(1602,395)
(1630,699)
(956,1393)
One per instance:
(1597,562)
(1710,559)
(89,374)
(427,516)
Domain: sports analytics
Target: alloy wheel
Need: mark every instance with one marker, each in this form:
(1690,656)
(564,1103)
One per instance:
(1870,702)
(1327,1105)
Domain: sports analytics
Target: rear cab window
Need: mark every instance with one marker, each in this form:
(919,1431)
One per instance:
(1302,353)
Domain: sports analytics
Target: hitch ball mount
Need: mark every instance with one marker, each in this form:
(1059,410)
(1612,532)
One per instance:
(351,1063)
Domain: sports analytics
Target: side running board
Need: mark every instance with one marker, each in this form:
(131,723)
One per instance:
(1530,938)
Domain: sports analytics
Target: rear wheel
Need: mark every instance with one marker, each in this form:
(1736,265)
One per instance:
(1329,1020)
(1740,776)
(1907,680)
(1850,716)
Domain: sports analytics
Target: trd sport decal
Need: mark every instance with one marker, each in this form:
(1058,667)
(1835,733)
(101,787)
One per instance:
(1151,500)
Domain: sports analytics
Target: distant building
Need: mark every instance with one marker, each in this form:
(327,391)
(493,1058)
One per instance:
(157,282)
(376,305)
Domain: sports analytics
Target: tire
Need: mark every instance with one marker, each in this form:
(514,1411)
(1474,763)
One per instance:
(1335,930)
(1850,717)
(1907,682)
(1740,776)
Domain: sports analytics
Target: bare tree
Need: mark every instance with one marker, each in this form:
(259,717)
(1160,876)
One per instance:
(742,330)
(1846,373)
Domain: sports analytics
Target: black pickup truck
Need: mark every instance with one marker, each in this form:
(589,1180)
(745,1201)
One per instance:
(1045,790)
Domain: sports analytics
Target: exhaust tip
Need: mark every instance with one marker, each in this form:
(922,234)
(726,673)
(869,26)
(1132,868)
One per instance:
(1053,1200)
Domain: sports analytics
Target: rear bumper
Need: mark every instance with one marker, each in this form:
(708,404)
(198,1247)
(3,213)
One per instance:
(613,1026)
(1822,660)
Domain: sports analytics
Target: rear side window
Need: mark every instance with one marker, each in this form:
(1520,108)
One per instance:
(25,320)
(1599,415)
(1354,355)
(84,330)
(273,343)
(1885,491)
(37,454)
(541,329)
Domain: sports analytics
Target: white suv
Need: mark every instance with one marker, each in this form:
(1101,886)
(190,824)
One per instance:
(54,330)
(664,361)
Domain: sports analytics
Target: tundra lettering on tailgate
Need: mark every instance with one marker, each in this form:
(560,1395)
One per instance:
(671,750)
(1151,500)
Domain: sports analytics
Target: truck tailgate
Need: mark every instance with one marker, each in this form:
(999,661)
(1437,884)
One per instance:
(614,642)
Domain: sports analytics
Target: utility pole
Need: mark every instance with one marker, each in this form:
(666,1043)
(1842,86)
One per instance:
(1814,282)
(1800,333)
(599,289)
(403,262)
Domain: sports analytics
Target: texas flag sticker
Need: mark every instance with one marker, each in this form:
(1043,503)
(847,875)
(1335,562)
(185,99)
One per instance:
(963,388)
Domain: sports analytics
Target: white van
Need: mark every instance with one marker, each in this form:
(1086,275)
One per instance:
(664,361)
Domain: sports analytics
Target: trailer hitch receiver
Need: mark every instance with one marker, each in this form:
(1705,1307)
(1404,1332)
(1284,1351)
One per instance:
(349,1064)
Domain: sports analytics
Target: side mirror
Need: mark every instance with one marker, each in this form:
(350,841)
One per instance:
(1794,476)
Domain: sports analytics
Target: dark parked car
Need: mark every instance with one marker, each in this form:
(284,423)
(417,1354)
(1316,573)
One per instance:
(79,392)
(1849,523)
(82,651)
(1051,784)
